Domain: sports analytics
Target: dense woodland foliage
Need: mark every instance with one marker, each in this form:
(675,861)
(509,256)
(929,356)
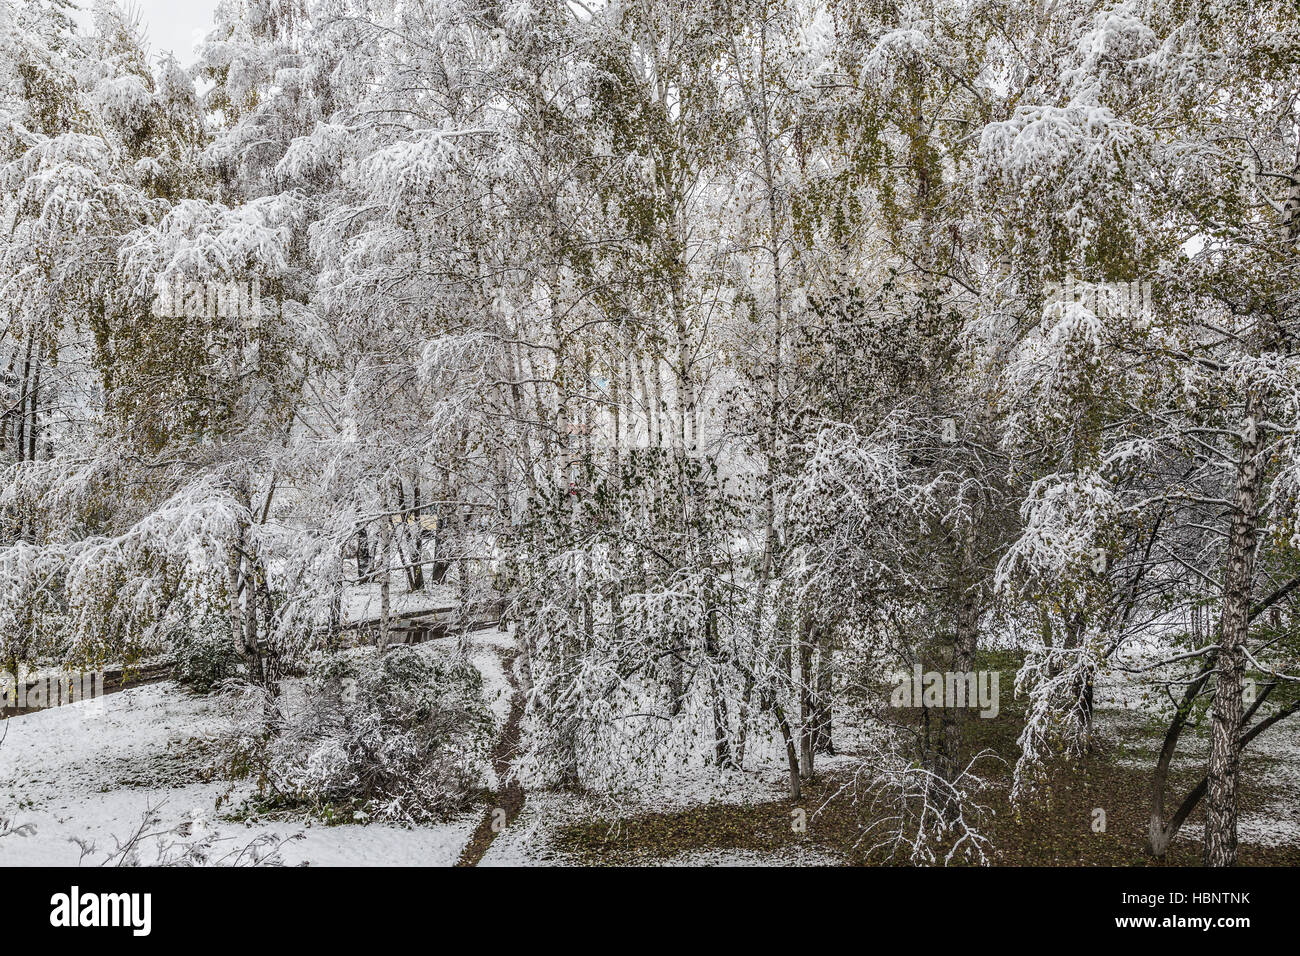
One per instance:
(747,352)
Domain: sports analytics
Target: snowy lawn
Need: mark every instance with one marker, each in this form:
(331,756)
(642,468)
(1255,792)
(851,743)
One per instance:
(90,771)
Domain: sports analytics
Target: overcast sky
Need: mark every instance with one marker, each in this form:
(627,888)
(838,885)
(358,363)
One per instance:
(175,25)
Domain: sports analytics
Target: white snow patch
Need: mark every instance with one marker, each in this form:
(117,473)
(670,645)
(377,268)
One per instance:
(91,771)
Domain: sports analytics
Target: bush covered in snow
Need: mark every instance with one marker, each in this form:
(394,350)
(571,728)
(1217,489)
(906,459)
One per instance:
(399,737)
(205,660)
(201,644)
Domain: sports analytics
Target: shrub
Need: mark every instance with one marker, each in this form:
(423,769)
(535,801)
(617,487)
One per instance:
(398,737)
(205,660)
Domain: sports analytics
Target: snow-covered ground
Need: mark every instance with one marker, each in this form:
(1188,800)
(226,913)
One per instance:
(363,602)
(528,840)
(1125,708)
(90,771)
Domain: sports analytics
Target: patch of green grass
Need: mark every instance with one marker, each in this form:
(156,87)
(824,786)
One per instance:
(1055,829)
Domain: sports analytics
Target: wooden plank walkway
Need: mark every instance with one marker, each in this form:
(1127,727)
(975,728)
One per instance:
(407,627)
(111,681)
(426,624)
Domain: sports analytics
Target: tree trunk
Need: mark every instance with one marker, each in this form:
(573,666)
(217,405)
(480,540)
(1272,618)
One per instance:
(721,721)
(364,564)
(385,584)
(965,643)
(1159,835)
(1225,720)
(34,428)
(20,438)
(805,637)
(1162,836)
(823,717)
(791,755)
